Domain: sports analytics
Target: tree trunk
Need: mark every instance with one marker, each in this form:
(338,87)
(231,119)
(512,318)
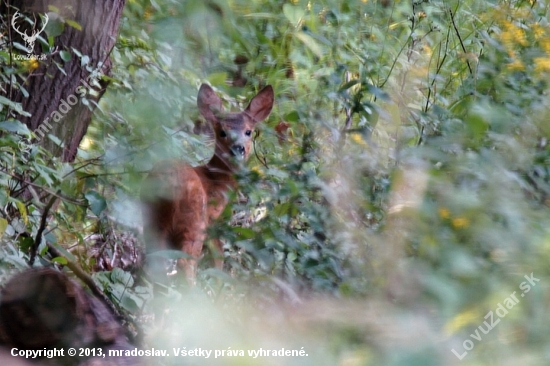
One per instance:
(61,99)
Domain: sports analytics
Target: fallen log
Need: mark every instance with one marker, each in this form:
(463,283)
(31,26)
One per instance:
(43,309)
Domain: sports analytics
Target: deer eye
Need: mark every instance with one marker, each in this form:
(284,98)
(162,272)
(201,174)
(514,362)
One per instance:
(223,134)
(248,132)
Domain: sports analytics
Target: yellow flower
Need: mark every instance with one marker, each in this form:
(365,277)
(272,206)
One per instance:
(32,64)
(357,138)
(516,65)
(460,321)
(519,35)
(258,170)
(444,213)
(538,31)
(545,44)
(513,35)
(148,13)
(428,50)
(542,64)
(460,222)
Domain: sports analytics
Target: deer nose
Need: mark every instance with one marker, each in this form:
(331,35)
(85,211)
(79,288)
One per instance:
(238,150)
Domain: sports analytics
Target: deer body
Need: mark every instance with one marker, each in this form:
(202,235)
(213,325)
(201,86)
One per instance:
(182,200)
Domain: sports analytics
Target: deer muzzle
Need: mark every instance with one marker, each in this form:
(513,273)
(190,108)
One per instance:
(238,151)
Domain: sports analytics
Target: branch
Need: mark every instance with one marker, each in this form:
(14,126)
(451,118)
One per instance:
(460,39)
(51,193)
(347,125)
(264,162)
(38,238)
(89,281)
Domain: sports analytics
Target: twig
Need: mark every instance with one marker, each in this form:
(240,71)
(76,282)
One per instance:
(394,63)
(56,194)
(348,110)
(349,116)
(38,238)
(264,162)
(440,63)
(460,39)
(88,162)
(88,281)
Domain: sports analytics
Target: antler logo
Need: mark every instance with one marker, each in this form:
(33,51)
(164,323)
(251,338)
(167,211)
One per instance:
(29,39)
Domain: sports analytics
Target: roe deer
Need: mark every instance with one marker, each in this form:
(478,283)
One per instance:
(182,200)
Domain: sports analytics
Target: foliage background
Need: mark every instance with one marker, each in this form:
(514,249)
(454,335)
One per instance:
(410,197)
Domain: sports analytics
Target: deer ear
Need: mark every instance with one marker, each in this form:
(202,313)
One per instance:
(208,102)
(260,106)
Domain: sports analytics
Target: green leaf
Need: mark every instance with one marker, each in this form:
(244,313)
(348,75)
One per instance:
(311,43)
(60,260)
(15,127)
(96,201)
(293,13)
(129,303)
(45,173)
(15,106)
(220,275)
(217,78)
(260,15)
(378,93)
(292,116)
(125,278)
(282,209)
(22,211)
(170,254)
(155,5)
(55,139)
(20,47)
(73,24)
(25,243)
(349,84)
(77,52)
(64,252)
(65,56)
(24,91)
(54,27)
(279,173)
(245,233)
(85,60)
(3,226)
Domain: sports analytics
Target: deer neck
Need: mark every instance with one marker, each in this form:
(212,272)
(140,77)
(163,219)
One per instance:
(220,171)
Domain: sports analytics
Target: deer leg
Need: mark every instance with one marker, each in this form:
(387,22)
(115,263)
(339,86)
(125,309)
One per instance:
(189,223)
(157,267)
(189,265)
(192,238)
(217,253)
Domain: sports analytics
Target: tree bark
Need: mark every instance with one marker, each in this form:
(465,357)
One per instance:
(53,90)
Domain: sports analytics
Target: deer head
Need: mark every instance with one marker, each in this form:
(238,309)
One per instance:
(233,131)
(29,39)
